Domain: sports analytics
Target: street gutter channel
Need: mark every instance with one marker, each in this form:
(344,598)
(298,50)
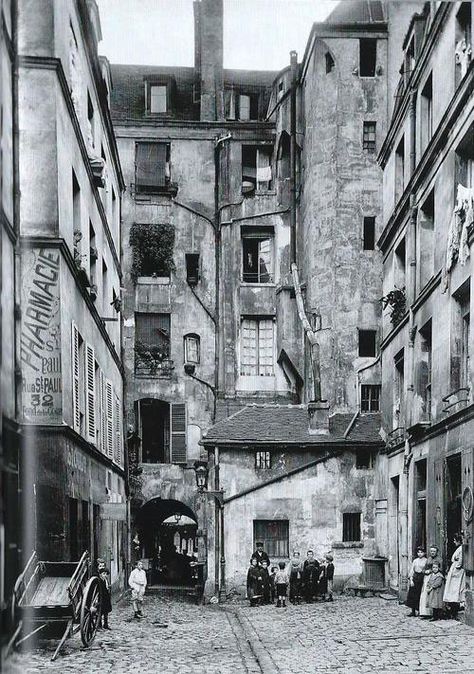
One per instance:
(261,661)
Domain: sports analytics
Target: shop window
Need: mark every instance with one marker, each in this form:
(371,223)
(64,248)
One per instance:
(399,169)
(256,168)
(263,460)
(426,240)
(351,527)
(367,57)
(257,347)
(426,105)
(192,268)
(192,349)
(370,398)
(257,256)
(152,167)
(274,534)
(329,62)
(369,233)
(367,343)
(365,459)
(158,98)
(368,141)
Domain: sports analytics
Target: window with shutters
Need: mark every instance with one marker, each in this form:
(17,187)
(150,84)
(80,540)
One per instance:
(178,433)
(152,345)
(274,534)
(257,347)
(109,415)
(153,168)
(154,429)
(90,391)
(117,430)
(257,255)
(78,381)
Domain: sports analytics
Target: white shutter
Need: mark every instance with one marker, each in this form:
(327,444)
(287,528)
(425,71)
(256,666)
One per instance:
(89,367)
(76,409)
(178,433)
(109,414)
(118,432)
(102,414)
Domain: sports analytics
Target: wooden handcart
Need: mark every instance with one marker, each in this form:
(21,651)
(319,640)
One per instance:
(54,600)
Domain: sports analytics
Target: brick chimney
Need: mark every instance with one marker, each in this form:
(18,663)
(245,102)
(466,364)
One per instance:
(318,417)
(209,58)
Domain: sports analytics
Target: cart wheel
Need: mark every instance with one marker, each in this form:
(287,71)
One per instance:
(90,611)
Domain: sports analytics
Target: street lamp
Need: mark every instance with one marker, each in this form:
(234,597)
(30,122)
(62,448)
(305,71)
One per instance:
(202,473)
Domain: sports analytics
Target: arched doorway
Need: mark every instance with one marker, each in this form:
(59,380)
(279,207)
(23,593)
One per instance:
(167,534)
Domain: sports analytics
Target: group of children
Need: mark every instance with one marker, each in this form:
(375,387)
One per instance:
(311,579)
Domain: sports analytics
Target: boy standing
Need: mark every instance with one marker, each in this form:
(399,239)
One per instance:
(105,595)
(329,576)
(281,582)
(138,582)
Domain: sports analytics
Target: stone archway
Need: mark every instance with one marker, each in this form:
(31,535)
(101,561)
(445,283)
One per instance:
(167,531)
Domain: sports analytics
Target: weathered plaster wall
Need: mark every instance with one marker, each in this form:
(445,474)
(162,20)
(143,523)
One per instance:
(312,501)
(342,184)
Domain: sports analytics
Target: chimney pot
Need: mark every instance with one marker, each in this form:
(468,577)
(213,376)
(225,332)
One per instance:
(318,417)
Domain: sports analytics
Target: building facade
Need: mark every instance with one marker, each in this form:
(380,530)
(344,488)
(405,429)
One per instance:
(427,158)
(10,520)
(70,329)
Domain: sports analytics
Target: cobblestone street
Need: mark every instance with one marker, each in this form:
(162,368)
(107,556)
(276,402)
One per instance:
(350,636)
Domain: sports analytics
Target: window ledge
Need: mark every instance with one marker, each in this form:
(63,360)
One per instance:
(154,280)
(249,284)
(166,191)
(342,545)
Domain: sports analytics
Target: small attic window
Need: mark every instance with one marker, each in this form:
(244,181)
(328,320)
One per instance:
(329,63)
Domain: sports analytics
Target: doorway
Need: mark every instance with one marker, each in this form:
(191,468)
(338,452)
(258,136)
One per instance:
(394,532)
(154,429)
(453,501)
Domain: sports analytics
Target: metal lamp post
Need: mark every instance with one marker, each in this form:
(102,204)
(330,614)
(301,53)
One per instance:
(202,474)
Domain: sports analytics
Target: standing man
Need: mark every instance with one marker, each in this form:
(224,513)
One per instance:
(260,555)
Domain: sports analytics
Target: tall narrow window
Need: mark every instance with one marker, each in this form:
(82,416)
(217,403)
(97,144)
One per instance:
(76,209)
(256,168)
(463,46)
(158,98)
(464,160)
(263,460)
(369,233)
(426,104)
(192,268)
(399,390)
(370,398)
(420,514)
(329,63)
(192,349)
(460,334)
(424,369)
(244,107)
(351,527)
(256,353)
(367,57)
(257,256)
(400,169)
(90,123)
(426,240)
(367,343)
(368,141)
(399,271)
(152,167)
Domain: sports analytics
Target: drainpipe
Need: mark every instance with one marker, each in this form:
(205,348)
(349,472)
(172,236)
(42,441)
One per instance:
(293,69)
(217,551)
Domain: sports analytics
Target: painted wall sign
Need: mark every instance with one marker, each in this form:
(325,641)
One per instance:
(40,340)
(113,511)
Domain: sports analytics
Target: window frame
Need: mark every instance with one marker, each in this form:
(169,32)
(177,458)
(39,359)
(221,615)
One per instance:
(192,337)
(369,136)
(351,527)
(258,364)
(368,236)
(258,185)
(259,235)
(371,389)
(156,85)
(263,459)
(373,333)
(268,542)
(373,69)
(157,188)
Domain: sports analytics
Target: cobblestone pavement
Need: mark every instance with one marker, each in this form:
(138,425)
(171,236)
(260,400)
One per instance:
(349,636)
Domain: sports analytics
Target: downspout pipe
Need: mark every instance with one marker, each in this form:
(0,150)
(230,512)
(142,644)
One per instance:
(293,70)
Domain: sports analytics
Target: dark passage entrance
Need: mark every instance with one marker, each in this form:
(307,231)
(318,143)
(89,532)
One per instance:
(453,502)
(168,545)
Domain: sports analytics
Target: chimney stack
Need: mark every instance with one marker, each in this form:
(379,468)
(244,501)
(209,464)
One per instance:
(318,417)
(209,57)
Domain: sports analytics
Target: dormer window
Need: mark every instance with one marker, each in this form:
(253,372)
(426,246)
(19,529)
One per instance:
(241,105)
(158,98)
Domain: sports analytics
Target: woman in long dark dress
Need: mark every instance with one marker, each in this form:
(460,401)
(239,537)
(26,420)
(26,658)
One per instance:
(310,576)
(255,582)
(416,576)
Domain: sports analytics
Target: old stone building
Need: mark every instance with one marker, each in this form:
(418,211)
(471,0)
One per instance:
(10,521)
(427,157)
(70,335)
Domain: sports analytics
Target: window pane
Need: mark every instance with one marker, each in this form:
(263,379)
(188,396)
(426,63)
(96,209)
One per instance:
(265,347)
(249,356)
(274,536)
(158,99)
(244,105)
(151,165)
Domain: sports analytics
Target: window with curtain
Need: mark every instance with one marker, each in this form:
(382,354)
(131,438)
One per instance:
(158,98)
(256,357)
(152,167)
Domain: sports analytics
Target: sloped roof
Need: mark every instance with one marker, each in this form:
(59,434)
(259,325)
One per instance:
(357,11)
(288,424)
(127,100)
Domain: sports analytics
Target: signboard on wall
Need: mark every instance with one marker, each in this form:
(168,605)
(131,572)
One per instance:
(40,339)
(116,512)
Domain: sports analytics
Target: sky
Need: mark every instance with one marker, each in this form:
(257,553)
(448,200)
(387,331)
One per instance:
(258,34)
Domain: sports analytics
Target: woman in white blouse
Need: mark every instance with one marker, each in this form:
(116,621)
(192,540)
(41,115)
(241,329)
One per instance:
(416,576)
(455,580)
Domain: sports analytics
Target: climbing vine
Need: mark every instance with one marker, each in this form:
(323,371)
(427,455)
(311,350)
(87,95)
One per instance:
(150,357)
(152,247)
(397,301)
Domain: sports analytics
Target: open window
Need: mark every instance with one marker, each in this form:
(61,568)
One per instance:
(399,389)
(423,370)
(152,344)
(159,94)
(367,343)
(153,168)
(426,109)
(460,335)
(257,255)
(256,168)
(367,57)
(369,232)
(426,240)
(400,169)
(329,62)
(241,105)
(192,268)
(192,349)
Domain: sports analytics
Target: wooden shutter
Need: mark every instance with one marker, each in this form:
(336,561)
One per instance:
(439,505)
(467,474)
(89,367)
(102,414)
(109,414)
(76,409)
(118,432)
(150,165)
(178,433)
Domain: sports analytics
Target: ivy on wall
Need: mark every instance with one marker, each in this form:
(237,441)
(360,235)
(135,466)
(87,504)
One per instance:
(152,247)
(396,301)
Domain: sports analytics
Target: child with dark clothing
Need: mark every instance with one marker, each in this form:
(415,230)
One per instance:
(105,595)
(254,582)
(266,582)
(272,582)
(281,582)
(329,576)
(296,574)
(435,589)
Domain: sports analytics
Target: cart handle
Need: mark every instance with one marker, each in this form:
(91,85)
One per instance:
(78,573)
